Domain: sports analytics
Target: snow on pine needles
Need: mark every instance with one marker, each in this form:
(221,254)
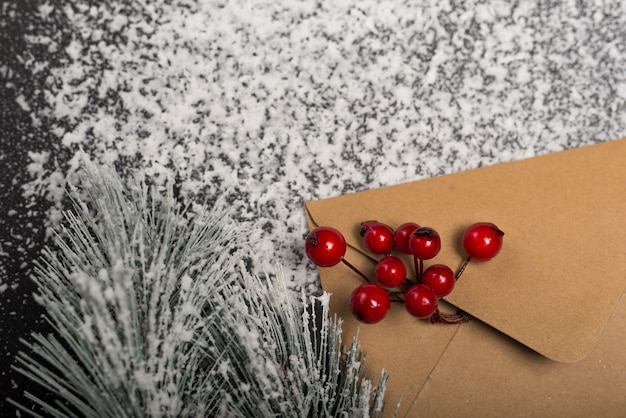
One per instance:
(156,315)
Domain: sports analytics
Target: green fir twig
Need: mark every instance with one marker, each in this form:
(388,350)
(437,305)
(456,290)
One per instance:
(156,315)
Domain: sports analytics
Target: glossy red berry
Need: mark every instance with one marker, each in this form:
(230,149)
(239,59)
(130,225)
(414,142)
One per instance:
(402,234)
(325,246)
(420,301)
(424,243)
(390,271)
(482,241)
(378,236)
(439,278)
(369,303)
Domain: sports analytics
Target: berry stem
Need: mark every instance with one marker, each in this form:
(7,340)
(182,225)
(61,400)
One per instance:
(418,263)
(442,318)
(356,270)
(396,297)
(462,268)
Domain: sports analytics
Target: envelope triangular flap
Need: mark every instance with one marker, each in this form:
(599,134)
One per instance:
(562,268)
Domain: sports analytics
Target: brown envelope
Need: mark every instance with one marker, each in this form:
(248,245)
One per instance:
(548,334)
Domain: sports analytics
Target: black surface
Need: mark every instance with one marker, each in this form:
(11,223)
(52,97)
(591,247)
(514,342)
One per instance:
(22,231)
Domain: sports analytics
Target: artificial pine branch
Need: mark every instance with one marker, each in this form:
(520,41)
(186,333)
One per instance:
(156,316)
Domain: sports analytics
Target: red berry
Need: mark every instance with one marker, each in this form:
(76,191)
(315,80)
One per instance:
(424,243)
(378,237)
(369,303)
(439,278)
(390,271)
(420,301)
(325,246)
(482,241)
(402,235)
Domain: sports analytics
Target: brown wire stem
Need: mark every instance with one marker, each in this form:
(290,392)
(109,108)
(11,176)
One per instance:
(442,318)
(418,263)
(462,268)
(396,297)
(356,270)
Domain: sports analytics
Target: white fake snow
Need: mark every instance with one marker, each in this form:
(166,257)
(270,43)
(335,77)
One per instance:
(274,103)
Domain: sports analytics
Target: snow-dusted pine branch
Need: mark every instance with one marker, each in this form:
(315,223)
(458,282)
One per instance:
(156,316)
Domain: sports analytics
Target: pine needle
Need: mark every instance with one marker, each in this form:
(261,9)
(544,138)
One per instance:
(156,315)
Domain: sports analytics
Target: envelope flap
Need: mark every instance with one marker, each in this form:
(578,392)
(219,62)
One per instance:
(562,268)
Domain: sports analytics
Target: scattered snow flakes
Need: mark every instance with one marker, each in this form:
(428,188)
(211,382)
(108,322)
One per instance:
(239,97)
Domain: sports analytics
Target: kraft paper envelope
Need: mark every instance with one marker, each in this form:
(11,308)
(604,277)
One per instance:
(548,330)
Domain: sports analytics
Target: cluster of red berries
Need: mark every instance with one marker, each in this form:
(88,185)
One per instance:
(325,246)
